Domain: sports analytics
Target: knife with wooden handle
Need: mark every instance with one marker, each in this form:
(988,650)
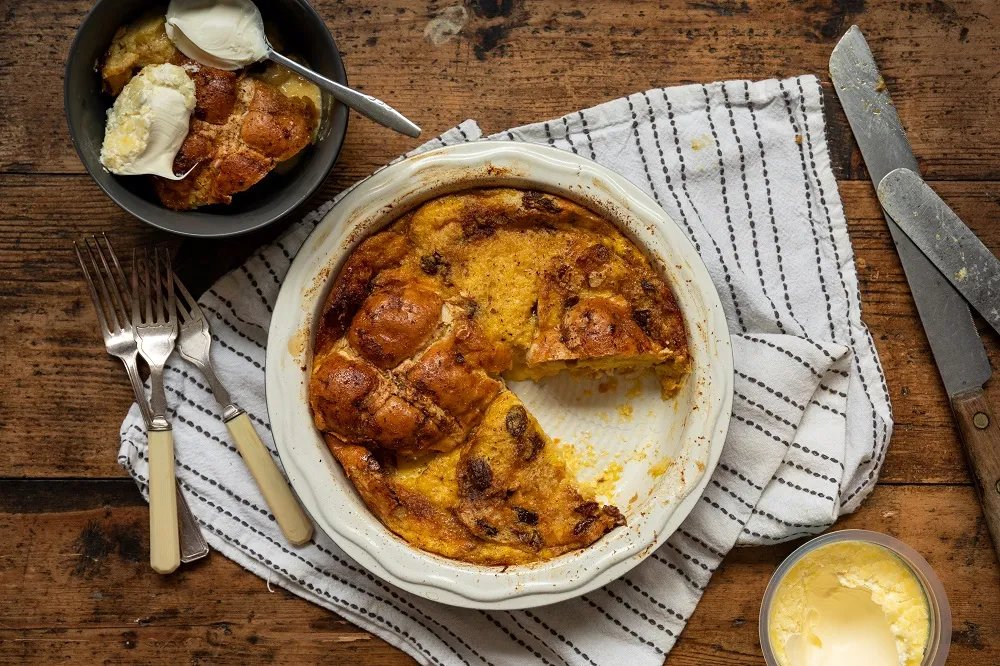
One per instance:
(974,271)
(952,334)
(978,422)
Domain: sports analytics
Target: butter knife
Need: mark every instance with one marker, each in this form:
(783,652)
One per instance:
(194,344)
(941,235)
(954,340)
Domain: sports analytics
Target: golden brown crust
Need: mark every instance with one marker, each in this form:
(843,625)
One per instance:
(407,513)
(596,327)
(230,174)
(351,398)
(134,46)
(215,92)
(508,498)
(353,284)
(430,403)
(602,303)
(453,373)
(276,126)
(394,323)
(418,327)
(514,491)
(262,128)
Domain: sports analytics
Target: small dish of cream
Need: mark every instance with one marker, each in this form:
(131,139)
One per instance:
(855,597)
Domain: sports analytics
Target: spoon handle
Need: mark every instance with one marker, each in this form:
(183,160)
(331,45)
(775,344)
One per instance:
(366,105)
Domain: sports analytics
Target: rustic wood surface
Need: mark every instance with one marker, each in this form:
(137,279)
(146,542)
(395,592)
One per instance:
(74,579)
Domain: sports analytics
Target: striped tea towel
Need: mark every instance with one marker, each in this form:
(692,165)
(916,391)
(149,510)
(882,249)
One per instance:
(744,169)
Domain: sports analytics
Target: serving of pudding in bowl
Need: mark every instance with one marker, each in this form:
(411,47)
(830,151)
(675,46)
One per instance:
(244,122)
(252,166)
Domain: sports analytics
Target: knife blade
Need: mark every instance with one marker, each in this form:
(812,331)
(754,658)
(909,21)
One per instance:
(941,235)
(955,343)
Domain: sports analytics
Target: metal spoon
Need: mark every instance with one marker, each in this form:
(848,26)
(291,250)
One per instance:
(364,104)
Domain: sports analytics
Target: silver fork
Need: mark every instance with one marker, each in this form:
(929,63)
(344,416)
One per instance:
(112,313)
(154,320)
(113,304)
(194,344)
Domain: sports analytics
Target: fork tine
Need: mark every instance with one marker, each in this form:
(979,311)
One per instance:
(119,307)
(110,315)
(149,286)
(171,294)
(187,306)
(136,317)
(93,292)
(119,277)
(158,294)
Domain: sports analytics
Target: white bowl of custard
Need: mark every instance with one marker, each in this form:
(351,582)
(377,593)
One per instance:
(853,598)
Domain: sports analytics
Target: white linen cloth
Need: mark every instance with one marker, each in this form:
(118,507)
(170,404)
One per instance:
(744,169)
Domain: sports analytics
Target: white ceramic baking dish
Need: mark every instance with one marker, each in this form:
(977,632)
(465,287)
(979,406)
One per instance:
(650,457)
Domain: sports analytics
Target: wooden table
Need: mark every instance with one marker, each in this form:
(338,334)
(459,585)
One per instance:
(74,576)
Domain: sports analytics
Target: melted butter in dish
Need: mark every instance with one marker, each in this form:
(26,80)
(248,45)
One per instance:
(849,604)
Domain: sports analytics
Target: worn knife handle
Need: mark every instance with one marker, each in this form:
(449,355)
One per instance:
(289,515)
(979,423)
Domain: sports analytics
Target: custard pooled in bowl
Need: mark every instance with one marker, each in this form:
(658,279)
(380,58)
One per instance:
(425,321)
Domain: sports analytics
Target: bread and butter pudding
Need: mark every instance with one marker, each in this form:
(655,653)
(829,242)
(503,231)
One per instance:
(424,322)
(244,123)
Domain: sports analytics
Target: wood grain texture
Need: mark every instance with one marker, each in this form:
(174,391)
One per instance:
(74,577)
(47,315)
(77,585)
(110,606)
(519,61)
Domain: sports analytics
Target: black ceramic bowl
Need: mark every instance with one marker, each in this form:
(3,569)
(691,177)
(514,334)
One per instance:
(277,194)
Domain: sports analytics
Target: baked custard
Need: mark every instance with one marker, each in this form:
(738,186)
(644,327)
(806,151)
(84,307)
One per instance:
(424,322)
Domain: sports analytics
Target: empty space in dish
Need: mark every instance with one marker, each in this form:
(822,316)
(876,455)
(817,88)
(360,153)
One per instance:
(619,437)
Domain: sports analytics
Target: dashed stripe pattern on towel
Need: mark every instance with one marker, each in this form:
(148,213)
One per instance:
(765,409)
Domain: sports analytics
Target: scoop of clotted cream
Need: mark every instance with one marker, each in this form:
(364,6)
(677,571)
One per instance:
(225,34)
(148,122)
(849,604)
